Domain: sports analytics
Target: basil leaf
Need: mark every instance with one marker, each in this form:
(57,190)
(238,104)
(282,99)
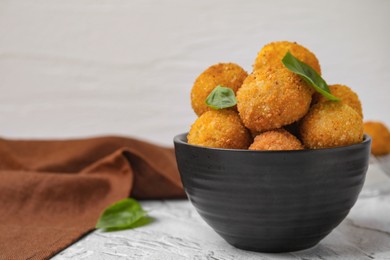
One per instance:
(121,215)
(308,74)
(139,223)
(221,97)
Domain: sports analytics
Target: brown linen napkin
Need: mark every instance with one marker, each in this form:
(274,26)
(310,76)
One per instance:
(52,192)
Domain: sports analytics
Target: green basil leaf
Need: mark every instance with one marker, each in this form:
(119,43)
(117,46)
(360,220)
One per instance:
(139,223)
(221,97)
(308,74)
(121,215)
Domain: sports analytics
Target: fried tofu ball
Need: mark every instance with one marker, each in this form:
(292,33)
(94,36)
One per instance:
(331,124)
(220,129)
(271,55)
(347,96)
(272,98)
(278,139)
(228,75)
(380,136)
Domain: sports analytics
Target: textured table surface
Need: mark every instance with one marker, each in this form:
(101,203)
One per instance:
(178,232)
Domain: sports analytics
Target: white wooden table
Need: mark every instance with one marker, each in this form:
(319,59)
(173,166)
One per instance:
(178,232)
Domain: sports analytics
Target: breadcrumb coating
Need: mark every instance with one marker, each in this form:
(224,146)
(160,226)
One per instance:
(271,55)
(219,129)
(380,136)
(275,107)
(278,139)
(331,124)
(226,74)
(272,98)
(346,94)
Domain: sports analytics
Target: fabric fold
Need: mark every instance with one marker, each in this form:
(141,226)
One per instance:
(52,192)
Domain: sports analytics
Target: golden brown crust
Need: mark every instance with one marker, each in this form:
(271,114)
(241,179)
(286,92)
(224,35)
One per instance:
(272,98)
(271,55)
(380,135)
(226,74)
(219,129)
(278,139)
(346,94)
(331,124)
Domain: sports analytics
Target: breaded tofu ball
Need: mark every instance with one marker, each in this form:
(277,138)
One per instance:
(346,94)
(269,99)
(278,139)
(228,75)
(271,55)
(220,129)
(331,124)
(380,136)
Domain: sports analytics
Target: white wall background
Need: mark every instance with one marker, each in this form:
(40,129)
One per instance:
(75,68)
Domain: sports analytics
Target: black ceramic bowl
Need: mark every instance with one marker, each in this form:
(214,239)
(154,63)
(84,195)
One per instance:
(272,201)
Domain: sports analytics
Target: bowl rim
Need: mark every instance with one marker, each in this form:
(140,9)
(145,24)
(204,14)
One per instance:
(182,139)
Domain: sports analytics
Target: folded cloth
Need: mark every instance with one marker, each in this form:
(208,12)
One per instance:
(52,192)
